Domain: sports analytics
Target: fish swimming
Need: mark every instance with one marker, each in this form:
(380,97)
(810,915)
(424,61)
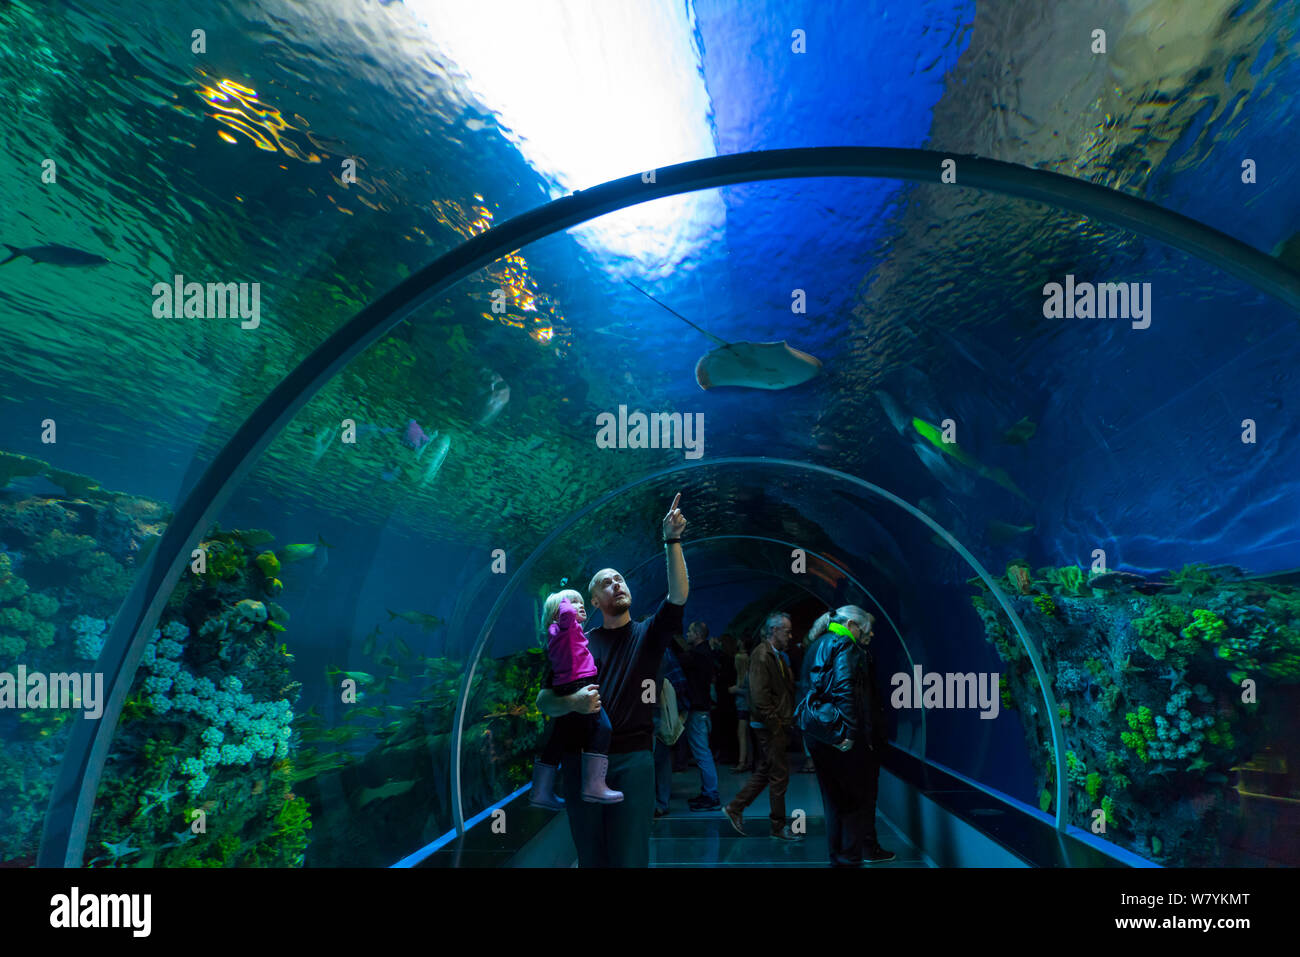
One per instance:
(426,622)
(440,450)
(368,646)
(383,792)
(1020,433)
(751,365)
(1002,532)
(414,437)
(935,437)
(360,677)
(1287,251)
(55,255)
(253,537)
(896,416)
(498,396)
(296,553)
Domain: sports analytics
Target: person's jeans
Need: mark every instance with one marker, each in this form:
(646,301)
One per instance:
(613,835)
(663,770)
(697,737)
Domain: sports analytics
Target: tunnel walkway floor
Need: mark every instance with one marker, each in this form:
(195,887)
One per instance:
(687,838)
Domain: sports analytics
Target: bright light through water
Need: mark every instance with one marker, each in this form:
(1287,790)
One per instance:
(589,91)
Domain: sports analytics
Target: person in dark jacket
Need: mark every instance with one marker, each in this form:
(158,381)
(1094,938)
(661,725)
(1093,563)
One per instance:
(670,671)
(724,709)
(701,666)
(840,668)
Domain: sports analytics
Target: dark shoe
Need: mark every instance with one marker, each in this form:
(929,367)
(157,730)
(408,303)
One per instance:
(878,855)
(703,803)
(543,793)
(660,813)
(735,817)
(594,788)
(785,834)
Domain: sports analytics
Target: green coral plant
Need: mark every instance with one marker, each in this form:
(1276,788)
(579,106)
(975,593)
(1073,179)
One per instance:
(1270,647)
(1093,784)
(1153,648)
(13,465)
(292,823)
(104,577)
(1161,620)
(1142,731)
(1067,580)
(1220,734)
(57,545)
(1008,649)
(11,586)
(1193,579)
(225,559)
(1108,809)
(1076,771)
(1206,626)
(1045,605)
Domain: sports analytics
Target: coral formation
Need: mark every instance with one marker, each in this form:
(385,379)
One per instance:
(1168,662)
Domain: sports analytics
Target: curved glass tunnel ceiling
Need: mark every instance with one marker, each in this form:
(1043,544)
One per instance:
(1072,436)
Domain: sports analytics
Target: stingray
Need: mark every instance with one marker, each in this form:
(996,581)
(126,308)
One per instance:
(750,365)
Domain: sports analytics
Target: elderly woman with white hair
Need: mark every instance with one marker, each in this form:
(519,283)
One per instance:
(843,719)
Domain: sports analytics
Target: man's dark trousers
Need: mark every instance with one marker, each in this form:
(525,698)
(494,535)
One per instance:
(772,772)
(613,835)
(848,782)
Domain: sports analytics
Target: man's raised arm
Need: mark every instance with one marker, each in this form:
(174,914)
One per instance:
(674,523)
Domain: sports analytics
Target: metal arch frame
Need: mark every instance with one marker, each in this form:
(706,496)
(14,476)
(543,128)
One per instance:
(833,564)
(72,797)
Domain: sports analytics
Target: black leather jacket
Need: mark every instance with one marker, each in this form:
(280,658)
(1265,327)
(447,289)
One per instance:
(846,671)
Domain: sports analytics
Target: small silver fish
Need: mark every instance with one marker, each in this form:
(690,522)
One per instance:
(55,255)
(441,447)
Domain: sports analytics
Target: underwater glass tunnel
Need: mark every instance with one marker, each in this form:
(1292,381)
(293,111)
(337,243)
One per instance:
(328,356)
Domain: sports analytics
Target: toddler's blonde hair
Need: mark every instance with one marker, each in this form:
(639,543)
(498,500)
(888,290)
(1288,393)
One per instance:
(551,609)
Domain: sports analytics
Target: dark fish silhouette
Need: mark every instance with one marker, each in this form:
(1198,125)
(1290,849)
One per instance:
(55,255)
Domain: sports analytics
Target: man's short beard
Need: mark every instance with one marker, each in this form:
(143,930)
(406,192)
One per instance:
(621,603)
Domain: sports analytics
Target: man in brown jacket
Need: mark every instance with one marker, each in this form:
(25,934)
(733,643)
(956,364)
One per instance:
(771,693)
